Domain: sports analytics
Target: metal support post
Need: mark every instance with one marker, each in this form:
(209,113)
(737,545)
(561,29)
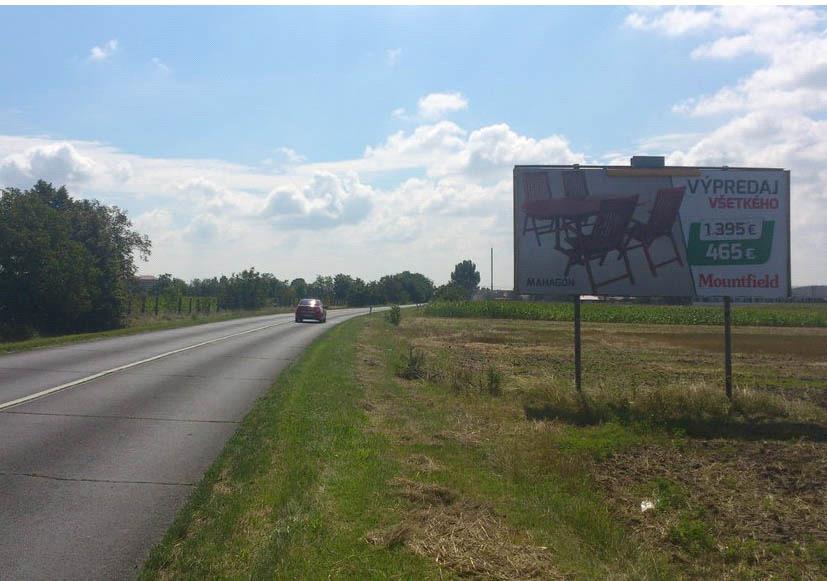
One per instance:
(577,367)
(728,345)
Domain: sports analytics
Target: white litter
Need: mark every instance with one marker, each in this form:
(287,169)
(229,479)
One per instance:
(646,505)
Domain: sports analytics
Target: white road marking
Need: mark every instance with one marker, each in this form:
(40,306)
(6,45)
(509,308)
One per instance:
(51,390)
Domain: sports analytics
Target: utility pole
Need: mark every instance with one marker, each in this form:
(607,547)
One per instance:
(492,269)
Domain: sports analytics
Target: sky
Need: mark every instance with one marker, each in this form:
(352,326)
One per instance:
(371,140)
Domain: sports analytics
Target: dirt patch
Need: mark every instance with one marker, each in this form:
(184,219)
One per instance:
(464,537)
(765,494)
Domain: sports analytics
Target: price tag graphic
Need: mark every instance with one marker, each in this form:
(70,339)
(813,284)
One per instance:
(729,243)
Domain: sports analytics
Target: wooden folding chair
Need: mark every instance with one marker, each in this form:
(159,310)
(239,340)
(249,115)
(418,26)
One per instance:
(574,183)
(535,187)
(659,225)
(608,234)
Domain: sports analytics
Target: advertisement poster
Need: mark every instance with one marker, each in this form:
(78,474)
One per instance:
(669,231)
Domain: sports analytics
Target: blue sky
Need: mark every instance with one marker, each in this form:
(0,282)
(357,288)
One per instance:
(207,113)
(246,80)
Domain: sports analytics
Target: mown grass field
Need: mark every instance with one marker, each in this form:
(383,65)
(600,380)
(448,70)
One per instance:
(743,314)
(137,324)
(445,448)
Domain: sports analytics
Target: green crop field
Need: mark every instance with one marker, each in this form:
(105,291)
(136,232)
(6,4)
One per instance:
(775,315)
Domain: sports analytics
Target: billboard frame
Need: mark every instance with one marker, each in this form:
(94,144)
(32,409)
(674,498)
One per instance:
(671,170)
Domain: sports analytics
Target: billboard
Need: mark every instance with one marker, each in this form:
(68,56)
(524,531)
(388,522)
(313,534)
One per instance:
(663,231)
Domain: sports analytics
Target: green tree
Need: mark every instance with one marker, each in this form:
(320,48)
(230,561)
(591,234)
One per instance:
(299,286)
(65,264)
(343,286)
(465,275)
(452,292)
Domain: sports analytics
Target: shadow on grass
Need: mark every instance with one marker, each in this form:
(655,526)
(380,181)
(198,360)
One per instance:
(582,412)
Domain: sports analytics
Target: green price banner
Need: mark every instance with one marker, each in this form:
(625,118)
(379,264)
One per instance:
(720,244)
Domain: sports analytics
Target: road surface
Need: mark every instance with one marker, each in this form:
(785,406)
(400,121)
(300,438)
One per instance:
(92,475)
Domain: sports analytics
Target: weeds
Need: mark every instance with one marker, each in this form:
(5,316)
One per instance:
(494,381)
(394,315)
(700,410)
(413,365)
(692,535)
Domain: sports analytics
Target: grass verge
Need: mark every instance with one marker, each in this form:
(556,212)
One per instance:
(411,451)
(297,488)
(135,326)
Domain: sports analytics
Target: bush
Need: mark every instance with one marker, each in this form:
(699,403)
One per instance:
(394,316)
(452,292)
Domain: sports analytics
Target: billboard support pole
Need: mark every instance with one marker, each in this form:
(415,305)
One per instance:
(728,346)
(577,366)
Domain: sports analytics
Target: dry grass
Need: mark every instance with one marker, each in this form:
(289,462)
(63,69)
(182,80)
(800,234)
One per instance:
(464,537)
(747,495)
(760,505)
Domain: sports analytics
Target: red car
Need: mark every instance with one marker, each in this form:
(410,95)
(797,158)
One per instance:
(311,309)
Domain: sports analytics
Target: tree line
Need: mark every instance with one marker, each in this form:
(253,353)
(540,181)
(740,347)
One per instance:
(251,289)
(69,265)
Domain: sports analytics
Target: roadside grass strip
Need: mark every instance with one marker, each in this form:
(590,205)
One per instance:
(769,315)
(297,488)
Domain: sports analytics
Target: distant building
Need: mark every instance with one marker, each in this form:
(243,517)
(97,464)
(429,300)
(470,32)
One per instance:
(817,292)
(146,282)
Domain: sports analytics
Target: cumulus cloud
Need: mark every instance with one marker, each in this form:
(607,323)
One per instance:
(327,201)
(103,52)
(59,163)
(203,229)
(444,148)
(437,105)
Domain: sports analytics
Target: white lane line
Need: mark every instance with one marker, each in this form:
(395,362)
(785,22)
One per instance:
(51,390)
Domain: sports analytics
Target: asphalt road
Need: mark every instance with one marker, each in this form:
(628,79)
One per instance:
(91,476)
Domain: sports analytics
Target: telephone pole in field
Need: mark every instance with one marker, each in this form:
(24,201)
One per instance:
(492,269)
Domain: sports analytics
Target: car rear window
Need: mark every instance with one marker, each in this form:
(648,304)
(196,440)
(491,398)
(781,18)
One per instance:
(307,302)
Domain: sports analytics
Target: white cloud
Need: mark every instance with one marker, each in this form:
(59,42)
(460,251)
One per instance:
(203,229)
(437,105)
(203,215)
(328,201)
(58,162)
(101,53)
(283,159)
(674,22)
